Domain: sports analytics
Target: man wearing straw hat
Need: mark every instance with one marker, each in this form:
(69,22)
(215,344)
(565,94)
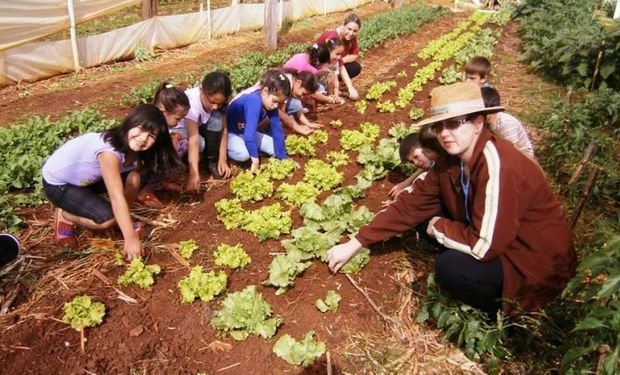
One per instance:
(505,238)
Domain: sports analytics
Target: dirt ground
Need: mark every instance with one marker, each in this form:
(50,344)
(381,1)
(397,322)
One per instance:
(159,334)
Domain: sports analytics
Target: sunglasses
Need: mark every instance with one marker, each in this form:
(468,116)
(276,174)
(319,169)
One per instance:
(450,124)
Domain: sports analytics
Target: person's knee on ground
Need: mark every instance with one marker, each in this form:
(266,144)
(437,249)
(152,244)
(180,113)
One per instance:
(476,283)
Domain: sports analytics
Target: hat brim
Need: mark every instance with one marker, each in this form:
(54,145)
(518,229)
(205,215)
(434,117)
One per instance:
(434,119)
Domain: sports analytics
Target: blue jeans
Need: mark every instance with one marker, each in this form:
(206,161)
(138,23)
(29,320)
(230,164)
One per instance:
(82,201)
(293,106)
(237,150)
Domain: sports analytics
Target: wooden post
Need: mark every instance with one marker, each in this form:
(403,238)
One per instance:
(149,9)
(586,157)
(397,4)
(271,25)
(74,47)
(587,189)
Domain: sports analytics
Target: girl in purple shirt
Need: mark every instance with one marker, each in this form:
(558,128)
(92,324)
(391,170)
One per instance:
(91,164)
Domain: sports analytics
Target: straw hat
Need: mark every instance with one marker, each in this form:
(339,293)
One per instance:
(458,99)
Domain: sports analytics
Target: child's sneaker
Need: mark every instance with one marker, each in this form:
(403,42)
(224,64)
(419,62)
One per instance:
(63,231)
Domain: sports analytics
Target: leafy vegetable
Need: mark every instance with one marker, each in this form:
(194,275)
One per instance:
(322,175)
(386,106)
(230,212)
(360,106)
(336,123)
(187,248)
(268,222)
(82,312)
(308,243)
(246,313)
(139,274)
(283,270)
(359,261)
(416,113)
(231,256)
(338,158)
(299,145)
(297,194)
(278,169)
(378,162)
(355,139)
(201,285)
(251,187)
(299,353)
(331,302)
(378,89)
(318,136)
(400,130)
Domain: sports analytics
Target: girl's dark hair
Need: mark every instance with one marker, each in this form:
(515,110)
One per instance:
(428,139)
(159,157)
(407,145)
(490,96)
(217,82)
(170,97)
(320,53)
(308,80)
(276,82)
(352,17)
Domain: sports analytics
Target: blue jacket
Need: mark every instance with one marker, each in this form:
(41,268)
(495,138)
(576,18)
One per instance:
(248,110)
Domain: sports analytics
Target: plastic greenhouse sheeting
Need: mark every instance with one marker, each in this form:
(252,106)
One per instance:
(34,61)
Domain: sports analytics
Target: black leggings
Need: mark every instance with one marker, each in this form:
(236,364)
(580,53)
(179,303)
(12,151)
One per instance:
(472,281)
(353,69)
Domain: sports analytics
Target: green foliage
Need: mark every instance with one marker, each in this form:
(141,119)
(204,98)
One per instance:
(302,353)
(299,145)
(278,169)
(248,186)
(416,113)
(338,158)
(561,40)
(318,136)
(355,139)
(467,327)
(283,270)
(597,286)
(201,285)
(568,130)
(330,303)
(378,162)
(355,264)
(268,222)
(376,91)
(298,193)
(139,274)
(388,25)
(142,54)
(308,243)
(230,212)
(231,256)
(82,312)
(386,106)
(144,93)
(360,106)
(337,123)
(187,248)
(246,313)
(400,130)
(322,175)
(336,215)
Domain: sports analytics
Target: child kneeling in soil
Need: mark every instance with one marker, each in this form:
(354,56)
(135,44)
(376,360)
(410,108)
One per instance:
(246,112)
(174,104)
(204,128)
(421,149)
(322,61)
(109,162)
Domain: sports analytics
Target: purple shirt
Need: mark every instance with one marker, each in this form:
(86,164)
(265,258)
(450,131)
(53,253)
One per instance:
(76,161)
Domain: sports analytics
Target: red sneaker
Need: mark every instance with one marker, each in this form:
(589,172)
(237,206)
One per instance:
(63,231)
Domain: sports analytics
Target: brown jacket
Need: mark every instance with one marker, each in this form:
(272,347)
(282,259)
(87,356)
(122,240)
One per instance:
(514,216)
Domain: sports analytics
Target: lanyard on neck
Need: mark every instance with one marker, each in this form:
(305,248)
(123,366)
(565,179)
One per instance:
(465,186)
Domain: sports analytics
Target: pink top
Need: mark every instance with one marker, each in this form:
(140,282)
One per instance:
(300,63)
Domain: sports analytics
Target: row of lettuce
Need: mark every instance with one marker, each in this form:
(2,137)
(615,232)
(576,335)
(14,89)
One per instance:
(24,146)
